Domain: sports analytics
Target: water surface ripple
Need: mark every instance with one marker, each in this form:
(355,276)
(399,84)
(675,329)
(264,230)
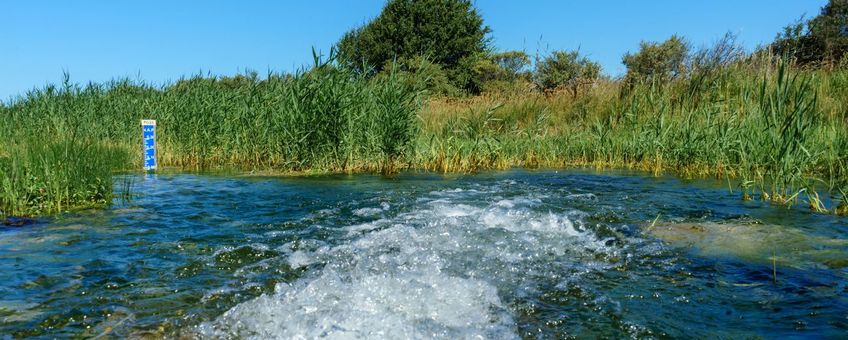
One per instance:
(517,254)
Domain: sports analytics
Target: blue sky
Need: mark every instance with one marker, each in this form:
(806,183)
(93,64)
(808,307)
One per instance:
(159,41)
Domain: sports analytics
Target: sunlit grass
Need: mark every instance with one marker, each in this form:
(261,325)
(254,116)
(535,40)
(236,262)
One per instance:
(62,144)
(779,133)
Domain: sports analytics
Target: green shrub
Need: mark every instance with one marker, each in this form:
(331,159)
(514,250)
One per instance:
(567,69)
(420,73)
(514,65)
(657,62)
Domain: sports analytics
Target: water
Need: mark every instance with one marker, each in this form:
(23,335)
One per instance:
(496,255)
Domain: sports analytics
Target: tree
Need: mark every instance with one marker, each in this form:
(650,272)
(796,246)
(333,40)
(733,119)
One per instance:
(824,39)
(796,44)
(513,63)
(657,61)
(830,30)
(566,69)
(723,52)
(445,32)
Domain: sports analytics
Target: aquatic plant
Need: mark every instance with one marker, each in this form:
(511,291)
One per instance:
(62,144)
(779,132)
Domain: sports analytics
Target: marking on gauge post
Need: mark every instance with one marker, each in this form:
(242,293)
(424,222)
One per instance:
(148,133)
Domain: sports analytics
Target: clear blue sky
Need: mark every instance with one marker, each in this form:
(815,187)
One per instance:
(159,41)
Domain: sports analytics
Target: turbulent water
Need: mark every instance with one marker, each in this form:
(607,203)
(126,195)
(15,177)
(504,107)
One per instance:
(497,255)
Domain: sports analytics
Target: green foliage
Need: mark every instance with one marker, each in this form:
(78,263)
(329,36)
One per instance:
(821,40)
(444,31)
(395,112)
(719,55)
(796,44)
(779,133)
(830,29)
(566,69)
(657,62)
(843,63)
(322,118)
(48,176)
(513,63)
(421,74)
(476,71)
(50,158)
(788,109)
(486,70)
(710,68)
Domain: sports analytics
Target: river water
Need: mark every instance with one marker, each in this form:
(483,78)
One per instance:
(516,254)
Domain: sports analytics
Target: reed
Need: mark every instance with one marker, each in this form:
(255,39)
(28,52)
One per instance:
(62,144)
(780,132)
(777,130)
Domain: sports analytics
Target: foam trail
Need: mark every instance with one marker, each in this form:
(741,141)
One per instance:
(438,271)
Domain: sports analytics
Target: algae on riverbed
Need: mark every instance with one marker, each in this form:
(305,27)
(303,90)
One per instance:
(754,242)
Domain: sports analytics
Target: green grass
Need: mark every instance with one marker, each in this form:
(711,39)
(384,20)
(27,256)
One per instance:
(781,133)
(62,144)
(778,132)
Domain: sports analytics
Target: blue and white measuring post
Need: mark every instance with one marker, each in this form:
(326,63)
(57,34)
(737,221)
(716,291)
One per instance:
(148,132)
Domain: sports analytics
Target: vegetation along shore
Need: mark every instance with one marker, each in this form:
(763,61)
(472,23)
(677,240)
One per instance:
(773,122)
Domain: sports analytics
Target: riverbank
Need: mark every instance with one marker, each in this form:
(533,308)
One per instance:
(780,131)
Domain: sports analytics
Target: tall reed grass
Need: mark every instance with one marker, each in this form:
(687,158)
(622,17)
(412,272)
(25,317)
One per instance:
(61,144)
(778,131)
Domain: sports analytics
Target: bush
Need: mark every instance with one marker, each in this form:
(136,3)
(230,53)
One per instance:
(657,62)
(514,64)
(830,30)
(421,74)
(566,69)
(710,68)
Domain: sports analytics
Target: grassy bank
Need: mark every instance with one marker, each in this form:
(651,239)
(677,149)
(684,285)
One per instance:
(61,144)
(780,131)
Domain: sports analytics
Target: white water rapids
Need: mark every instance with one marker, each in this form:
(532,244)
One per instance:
(441,270)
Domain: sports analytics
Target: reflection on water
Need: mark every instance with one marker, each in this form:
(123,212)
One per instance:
(497,255)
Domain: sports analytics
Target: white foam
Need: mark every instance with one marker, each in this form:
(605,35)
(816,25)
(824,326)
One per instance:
(434,272)
(364,227)
(519,201)
(374,306)
(586,196)
(364,212)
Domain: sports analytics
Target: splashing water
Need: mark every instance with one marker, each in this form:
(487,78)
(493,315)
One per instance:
(499,255)
(423,274)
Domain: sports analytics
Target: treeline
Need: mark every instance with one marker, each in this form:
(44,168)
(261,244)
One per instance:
(819,42)
(443,46)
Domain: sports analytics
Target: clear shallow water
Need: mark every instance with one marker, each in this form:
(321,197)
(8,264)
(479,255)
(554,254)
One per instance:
(499,255)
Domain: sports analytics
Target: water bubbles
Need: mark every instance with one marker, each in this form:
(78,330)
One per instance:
(503,255)
(437,271)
